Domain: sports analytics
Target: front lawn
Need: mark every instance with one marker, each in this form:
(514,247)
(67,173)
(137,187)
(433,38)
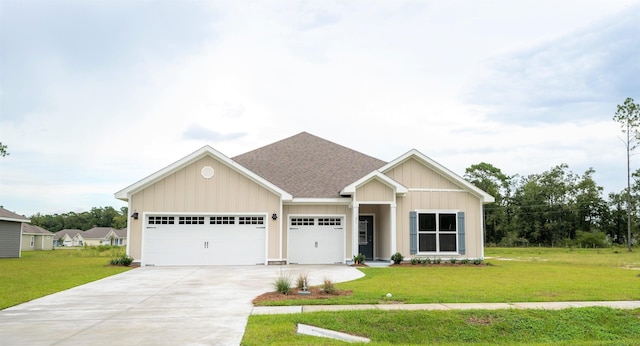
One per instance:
(515,275)
(40,273)
(584,326)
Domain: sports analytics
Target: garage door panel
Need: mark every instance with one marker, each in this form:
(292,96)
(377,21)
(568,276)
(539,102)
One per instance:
(314,242)
(204,244)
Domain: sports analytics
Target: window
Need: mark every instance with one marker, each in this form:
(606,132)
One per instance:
(191,220)
(222,220)
(330,222)
(301,221)
(251,220)
(33,240)
(161,220)
(437,232)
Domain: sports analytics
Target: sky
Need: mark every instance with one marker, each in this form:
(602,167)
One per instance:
(96,95)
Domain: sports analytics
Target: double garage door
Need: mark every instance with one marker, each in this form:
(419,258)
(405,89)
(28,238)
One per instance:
(316,240)
(204,240)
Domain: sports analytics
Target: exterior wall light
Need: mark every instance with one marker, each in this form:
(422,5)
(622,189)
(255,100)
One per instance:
(274,216)
(134,215)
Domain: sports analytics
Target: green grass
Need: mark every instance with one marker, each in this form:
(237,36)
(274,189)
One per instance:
(530,275)
(515,275)
(39,273)
(584,326)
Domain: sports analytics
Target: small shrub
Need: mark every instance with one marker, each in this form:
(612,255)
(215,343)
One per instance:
(359,259)
(426,261)
(328,287)
(464,261)
(123,260)
(436,261)
(282,284)
(477,261)
(303,279)
(397,258)
(415,260)
(453,261)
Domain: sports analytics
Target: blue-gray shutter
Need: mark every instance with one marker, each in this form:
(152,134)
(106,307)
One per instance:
(461,244)
(413,232)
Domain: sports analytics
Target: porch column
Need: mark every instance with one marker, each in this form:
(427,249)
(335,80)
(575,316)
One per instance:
(355,217)
(393,229)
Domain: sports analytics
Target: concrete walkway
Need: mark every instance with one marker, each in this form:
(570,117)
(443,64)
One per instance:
(206,305)
(272,310)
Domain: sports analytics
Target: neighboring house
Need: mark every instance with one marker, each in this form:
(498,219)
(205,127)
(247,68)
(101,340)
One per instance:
(10,233)
(68,237)
(301,200)
(105,236)
(36,238)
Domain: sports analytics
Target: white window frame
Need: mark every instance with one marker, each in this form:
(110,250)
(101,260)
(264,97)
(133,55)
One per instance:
(33,241)
(437,212)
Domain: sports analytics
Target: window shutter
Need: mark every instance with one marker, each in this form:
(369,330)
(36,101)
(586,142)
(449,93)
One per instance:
(461,240)
(413,232)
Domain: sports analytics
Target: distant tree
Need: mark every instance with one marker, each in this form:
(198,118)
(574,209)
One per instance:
(628,116)
(3,150)
(491,180)
(101,217)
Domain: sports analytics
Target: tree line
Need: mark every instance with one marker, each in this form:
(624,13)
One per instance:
(96,217)
(553,208)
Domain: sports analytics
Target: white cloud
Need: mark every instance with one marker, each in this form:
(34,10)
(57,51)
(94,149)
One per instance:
(380,77)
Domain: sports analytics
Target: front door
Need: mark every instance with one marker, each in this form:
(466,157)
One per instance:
(365,236)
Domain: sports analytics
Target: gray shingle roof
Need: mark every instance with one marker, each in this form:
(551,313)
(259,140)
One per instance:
(9,215)
(62,232)
(32,229)
(96,232)
(308,166)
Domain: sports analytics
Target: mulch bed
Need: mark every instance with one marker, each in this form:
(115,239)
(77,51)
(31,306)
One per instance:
(316,293)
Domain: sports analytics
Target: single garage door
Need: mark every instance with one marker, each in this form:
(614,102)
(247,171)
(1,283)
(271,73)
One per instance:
(316,240)
(204,240)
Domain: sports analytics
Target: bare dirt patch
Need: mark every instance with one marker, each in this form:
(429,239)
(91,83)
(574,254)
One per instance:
(481,321)
(316,294)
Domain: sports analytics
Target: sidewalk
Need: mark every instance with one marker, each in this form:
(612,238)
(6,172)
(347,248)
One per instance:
(272,310)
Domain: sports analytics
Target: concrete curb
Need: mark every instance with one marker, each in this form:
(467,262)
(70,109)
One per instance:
(273,310)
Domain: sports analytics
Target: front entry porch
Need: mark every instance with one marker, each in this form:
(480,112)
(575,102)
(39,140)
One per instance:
(374,231)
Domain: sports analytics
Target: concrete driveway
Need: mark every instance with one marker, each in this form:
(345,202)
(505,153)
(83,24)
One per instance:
(154,306)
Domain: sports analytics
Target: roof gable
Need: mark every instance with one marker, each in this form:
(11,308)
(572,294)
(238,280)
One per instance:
(308,166)
(6,215)
(351,188)
(441,170)
(193,157)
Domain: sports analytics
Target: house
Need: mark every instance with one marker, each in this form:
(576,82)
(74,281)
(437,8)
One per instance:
(301,200)
(68,237)
(10,233)
(36,238)
(105,236)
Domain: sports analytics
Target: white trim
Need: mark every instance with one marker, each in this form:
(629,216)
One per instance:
(125,193)
(316,216)
(333,201)
(442,170)
(398,188)
(437,212)
(15,220)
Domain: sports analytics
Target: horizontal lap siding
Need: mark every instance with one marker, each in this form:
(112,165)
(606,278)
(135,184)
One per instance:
(10,233)
(186,190)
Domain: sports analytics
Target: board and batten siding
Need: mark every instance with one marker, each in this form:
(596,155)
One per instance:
(186,191)
(314,210)
(374,190)
(429,190)
(10,233)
